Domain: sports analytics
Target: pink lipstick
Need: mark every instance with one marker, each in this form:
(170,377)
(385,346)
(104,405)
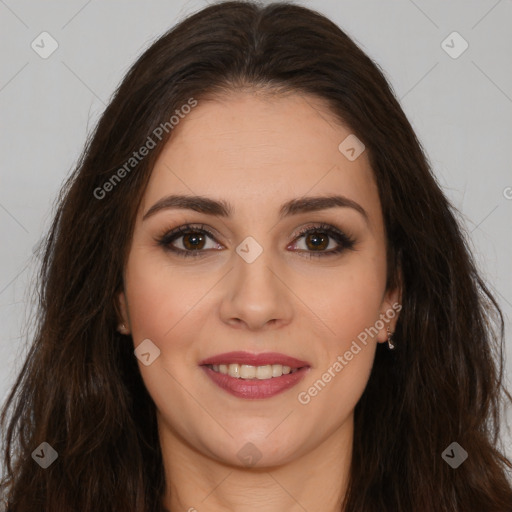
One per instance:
(254,376)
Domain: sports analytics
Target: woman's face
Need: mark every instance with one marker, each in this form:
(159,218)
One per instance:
(256,287)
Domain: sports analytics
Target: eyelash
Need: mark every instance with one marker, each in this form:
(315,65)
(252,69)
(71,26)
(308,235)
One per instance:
(344,241)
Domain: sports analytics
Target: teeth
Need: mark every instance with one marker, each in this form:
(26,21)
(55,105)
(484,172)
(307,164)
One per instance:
(246,371)
(264,372)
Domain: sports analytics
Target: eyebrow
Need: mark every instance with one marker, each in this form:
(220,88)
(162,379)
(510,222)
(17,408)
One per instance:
(221,208)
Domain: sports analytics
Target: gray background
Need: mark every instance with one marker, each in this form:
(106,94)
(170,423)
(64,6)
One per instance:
(460,108)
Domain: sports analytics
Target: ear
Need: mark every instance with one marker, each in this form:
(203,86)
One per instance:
(121,306)
(390,310)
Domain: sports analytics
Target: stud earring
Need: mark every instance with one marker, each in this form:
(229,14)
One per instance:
(391,345)
(121,328)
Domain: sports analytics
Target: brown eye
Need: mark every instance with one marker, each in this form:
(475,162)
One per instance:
(194,240)
(322,240)
(188,241)
(316,241)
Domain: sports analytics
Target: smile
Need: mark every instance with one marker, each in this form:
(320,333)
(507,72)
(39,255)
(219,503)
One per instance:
(254,376)
(246,371)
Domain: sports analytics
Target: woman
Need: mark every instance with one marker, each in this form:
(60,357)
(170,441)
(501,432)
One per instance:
(255,296)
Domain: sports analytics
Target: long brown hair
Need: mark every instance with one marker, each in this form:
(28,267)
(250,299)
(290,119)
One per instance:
(80,389)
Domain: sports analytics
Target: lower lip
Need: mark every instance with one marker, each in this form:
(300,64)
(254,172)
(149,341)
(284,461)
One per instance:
(255,388)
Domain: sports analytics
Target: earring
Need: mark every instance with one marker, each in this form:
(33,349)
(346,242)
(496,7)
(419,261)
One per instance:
(121,328)
(391,346)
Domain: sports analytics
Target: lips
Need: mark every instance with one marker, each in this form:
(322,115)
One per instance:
(262,385)
(266,358)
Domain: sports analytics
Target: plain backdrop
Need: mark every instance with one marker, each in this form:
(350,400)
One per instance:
(459,102)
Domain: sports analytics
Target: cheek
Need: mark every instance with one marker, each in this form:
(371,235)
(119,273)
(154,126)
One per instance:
(162,299)
(166,306)
(349,305)
(348,299)
(333,391)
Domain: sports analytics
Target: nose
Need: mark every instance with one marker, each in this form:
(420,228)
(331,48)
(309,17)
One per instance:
(256,296)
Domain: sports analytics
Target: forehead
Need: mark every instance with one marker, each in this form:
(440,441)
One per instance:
(253,149)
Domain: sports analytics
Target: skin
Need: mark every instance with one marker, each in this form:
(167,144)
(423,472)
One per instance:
(256,152)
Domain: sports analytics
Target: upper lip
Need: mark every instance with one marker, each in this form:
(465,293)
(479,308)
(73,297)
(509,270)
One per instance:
(262,359)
